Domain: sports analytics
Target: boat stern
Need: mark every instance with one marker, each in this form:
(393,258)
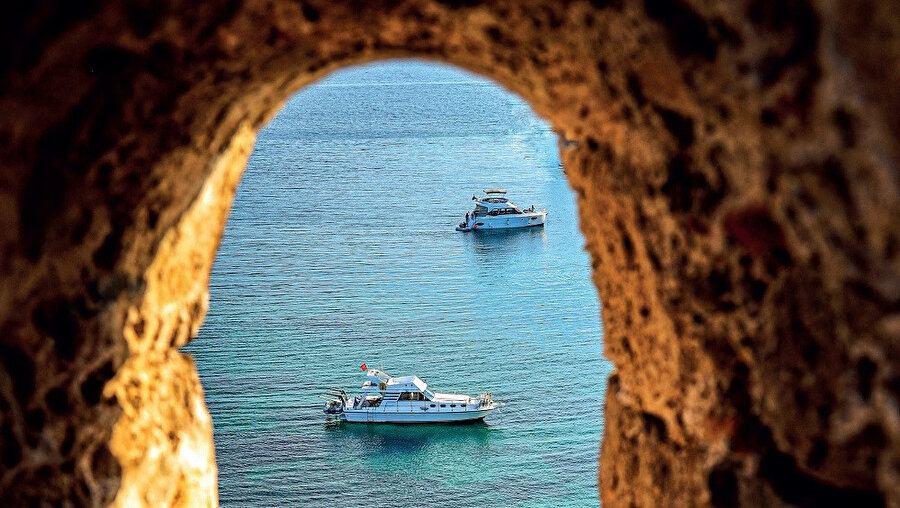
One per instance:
(335,401)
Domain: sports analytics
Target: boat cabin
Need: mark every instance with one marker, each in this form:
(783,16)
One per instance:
(382,387)
(494,203)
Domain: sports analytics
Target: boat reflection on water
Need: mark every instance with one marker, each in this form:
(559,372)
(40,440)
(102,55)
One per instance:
(529,240)
(399,437)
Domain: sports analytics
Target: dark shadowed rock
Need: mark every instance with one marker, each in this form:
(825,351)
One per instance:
(736,171)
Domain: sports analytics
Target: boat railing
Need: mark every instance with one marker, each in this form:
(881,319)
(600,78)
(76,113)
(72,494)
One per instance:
(335,395)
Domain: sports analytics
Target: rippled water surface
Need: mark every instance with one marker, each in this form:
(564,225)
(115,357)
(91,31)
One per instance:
(341,250)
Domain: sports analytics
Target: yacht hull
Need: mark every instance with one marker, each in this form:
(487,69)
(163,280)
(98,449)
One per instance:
(525,220)
(362,416)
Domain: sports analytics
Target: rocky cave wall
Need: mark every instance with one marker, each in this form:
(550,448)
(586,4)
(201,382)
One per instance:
(736,170)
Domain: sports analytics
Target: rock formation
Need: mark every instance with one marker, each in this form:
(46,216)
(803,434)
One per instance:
(737,178)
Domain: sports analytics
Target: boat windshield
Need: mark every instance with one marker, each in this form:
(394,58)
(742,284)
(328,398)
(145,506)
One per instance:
(429,394)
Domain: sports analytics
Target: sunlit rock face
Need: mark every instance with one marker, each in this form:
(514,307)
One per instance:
(736,167)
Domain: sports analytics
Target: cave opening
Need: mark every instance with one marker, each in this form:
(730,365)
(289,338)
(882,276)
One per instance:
(340,249)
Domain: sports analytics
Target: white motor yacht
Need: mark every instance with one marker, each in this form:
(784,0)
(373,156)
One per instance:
(494,211)
(406,399)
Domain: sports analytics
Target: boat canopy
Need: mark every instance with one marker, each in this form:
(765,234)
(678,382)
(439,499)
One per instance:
(486,205)
(495,191)
(396,384)
(378,376)
(406,384)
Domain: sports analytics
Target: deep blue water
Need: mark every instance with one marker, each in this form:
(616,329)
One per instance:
(341,250)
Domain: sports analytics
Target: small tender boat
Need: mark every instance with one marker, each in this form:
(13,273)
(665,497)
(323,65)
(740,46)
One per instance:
(494,211)
(406,399)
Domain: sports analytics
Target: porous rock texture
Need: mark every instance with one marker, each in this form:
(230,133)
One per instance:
(736,170)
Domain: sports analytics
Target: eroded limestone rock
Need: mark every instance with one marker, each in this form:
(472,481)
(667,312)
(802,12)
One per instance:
(736,171)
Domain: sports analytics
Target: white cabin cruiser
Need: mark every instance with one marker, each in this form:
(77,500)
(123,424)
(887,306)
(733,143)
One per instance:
(494,211)
(406,399)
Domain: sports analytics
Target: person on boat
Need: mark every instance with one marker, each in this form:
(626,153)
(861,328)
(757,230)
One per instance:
(467,218)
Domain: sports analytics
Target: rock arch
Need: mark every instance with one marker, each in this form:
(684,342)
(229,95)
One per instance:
(736,167)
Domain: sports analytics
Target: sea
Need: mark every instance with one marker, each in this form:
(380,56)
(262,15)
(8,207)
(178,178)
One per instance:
(341,250)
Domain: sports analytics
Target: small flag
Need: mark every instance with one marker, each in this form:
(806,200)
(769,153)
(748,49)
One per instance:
(363,367)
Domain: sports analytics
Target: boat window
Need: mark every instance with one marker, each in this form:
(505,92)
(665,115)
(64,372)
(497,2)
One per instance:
(452,405)
(372,402)
(443,405)
(432,405)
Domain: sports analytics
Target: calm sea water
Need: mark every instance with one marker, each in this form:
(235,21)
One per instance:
(341,250)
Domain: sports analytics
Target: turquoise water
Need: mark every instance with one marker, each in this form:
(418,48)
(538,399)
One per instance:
(341,250)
